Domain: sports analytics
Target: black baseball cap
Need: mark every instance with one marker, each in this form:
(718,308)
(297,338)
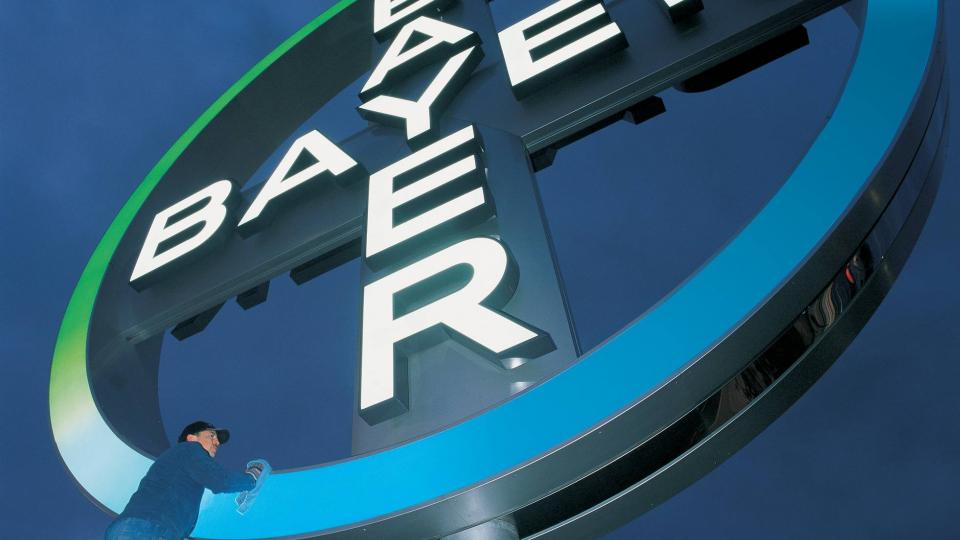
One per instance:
(223,435)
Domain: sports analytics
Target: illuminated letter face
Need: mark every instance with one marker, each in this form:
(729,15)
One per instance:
(441,184)
(329,158)
(562,37)
(466,313)
(216,200)
(401,59)
(417,115)
(389,14)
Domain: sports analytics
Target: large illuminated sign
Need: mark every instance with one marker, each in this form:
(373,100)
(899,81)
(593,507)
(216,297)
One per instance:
(454,251)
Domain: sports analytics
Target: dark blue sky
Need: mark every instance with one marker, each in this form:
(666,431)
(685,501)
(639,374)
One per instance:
(91,95)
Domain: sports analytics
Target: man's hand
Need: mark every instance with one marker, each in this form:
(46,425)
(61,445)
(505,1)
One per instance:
(255,469)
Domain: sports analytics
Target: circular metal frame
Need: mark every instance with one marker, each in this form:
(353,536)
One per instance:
(633,386)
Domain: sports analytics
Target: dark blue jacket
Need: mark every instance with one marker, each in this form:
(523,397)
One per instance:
(170,492)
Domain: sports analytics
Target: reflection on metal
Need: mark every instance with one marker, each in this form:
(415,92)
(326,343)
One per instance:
(503,528)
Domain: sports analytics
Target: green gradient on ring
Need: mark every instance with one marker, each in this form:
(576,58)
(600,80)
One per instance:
(89,448)
(896,45)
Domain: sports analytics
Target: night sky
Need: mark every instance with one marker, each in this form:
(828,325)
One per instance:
(92,94)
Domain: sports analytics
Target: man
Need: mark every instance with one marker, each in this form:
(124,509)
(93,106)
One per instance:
(166,504)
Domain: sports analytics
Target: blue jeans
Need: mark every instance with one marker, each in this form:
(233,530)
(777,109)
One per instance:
(138,529)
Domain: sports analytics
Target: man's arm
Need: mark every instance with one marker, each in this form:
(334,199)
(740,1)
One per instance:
(211,475)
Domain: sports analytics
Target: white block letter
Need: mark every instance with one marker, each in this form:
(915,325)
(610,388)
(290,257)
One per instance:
(329,158)
(578,18)
(400,60)
(417,115)
(381,232)
(462,311)
(209,217)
